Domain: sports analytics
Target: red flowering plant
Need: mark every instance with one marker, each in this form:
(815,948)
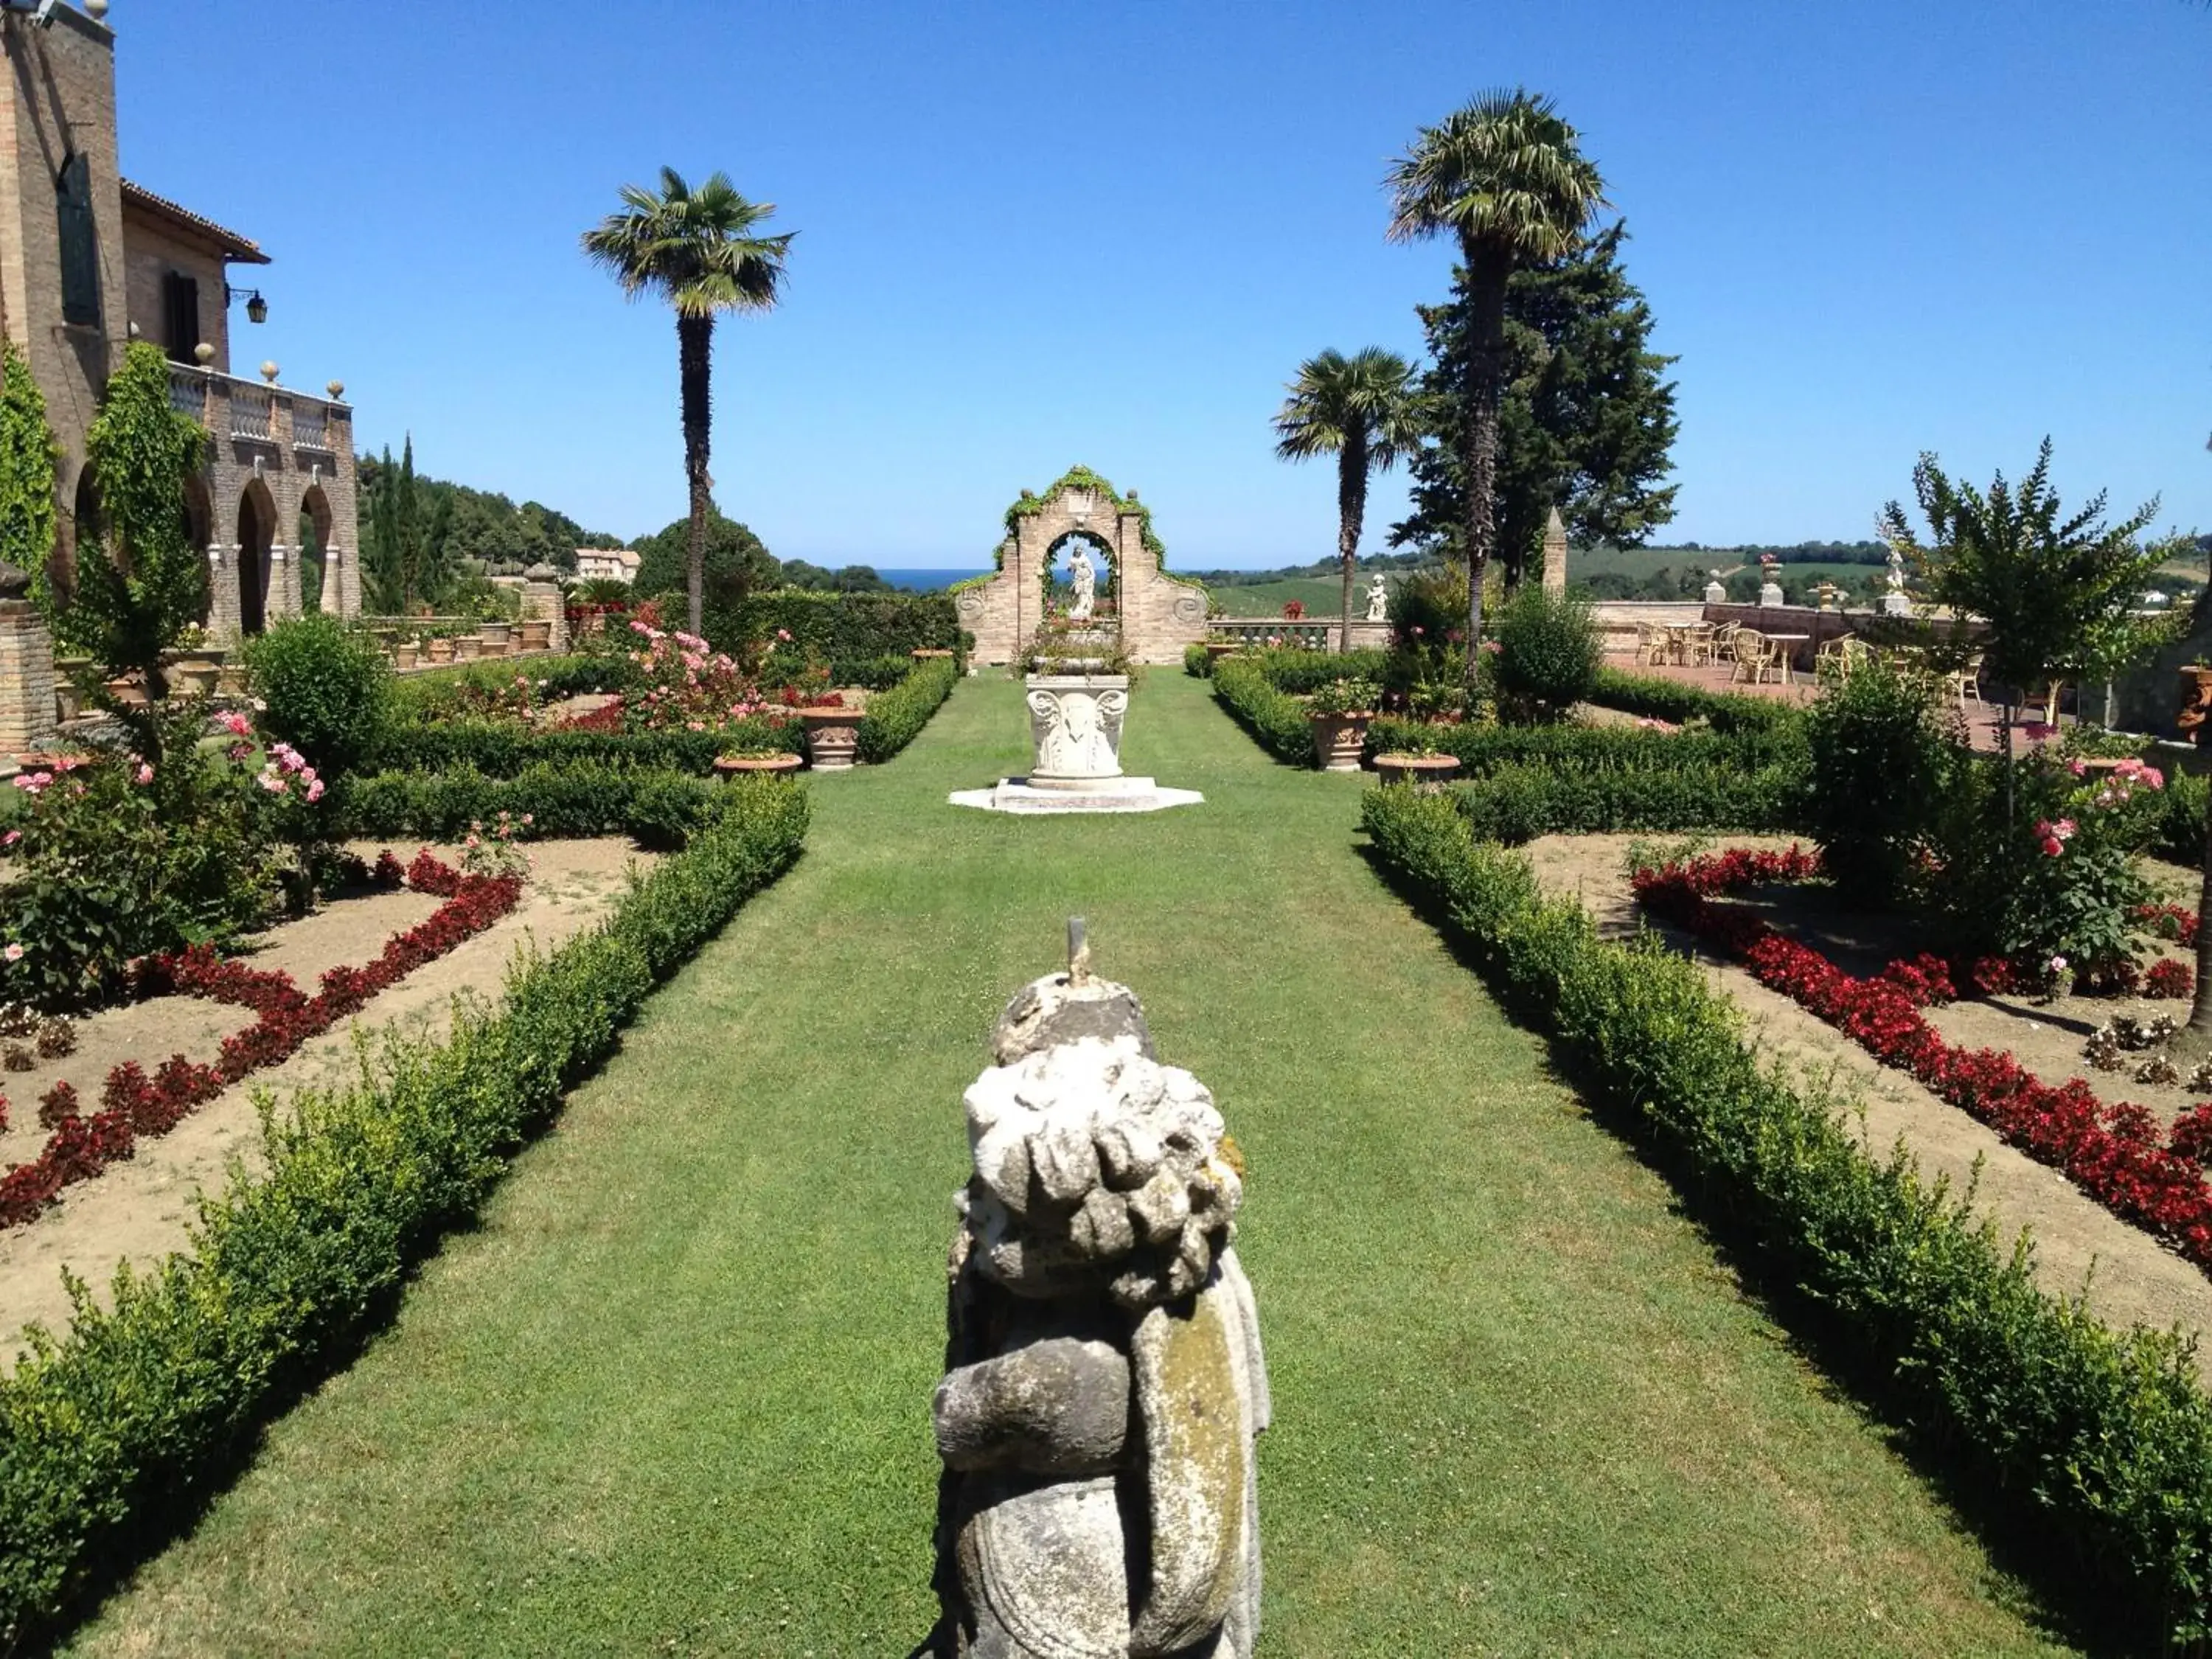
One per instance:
(684,684)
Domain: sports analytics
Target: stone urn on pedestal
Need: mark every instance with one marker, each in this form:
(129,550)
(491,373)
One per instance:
(1075,730)
(439,650)
(1340,712)
(404,654)
(833,736)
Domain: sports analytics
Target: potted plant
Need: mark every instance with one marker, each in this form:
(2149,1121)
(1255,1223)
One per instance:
(833,733)
(467,647)
(1219,644)
(405,652)
(1420,761)
(440,648)
(1341,711)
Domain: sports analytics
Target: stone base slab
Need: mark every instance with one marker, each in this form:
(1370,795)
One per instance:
(1125,795)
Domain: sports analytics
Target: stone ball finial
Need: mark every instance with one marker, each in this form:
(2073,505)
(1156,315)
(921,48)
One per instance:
(337,389)
(14,583)
(204,353)
(95,9)
(269,371)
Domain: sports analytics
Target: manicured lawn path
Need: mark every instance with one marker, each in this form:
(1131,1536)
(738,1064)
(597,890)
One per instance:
(674,1395)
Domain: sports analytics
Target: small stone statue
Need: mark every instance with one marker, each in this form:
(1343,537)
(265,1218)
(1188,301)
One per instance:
(1086,581)
(1378,598)
(1103,1382)
(1895,602)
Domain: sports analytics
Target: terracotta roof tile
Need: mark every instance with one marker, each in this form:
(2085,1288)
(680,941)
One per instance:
(234,247)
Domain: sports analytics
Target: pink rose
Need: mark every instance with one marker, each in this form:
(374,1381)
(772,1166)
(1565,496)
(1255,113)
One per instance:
(237,725)
(11,838)
(315,790)
(145,774)
(14,953)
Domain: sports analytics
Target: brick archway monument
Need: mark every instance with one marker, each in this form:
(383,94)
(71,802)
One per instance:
(1160,614)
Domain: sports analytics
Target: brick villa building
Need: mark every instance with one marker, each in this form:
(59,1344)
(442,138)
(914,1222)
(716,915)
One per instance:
(89,260)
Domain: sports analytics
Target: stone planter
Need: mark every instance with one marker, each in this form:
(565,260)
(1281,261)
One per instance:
(67,705)
(833,737)
(230,679)
(928,653)
(742,766)
(1075,730)
(404,657)
(467,648)
(495,637)
(439,650)
(127,692)
(537,636)
(1339,739)
(193,676)
(1217,649)
(1425,771)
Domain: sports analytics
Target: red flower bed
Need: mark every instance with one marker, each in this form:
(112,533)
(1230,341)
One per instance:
(133,1104)
(2114,1153)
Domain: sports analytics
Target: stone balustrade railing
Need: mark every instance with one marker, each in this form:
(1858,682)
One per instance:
(253,409)
(1310,633)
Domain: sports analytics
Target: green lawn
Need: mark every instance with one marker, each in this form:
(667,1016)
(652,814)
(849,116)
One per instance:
(672,1395)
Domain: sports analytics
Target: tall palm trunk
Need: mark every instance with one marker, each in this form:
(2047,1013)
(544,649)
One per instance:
(694,340)
(1486,275)
(1351,513)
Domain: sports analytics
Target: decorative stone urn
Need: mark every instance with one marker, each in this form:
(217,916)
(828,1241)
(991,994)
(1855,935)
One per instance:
(1420,769)
(404,654)
(833,737)
(1217,649)
(494,636)
(230,679)
(1075,730)
(439,650)
(1339,739)
(537,636)
(2196,699)
(194,673)
(468,648)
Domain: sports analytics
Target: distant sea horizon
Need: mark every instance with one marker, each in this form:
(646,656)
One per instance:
(929,579)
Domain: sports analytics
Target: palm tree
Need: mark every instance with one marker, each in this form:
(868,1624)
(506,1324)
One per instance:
(1363,410)
(698,250)
(1504,176)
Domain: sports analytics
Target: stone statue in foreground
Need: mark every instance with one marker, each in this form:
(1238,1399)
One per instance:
(1103,1382)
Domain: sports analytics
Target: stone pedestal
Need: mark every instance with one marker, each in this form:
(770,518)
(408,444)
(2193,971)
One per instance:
(833,738)
(1555,556)
(1716,592)
(542,601)
(27,678)
(1075,730)
(1896,605)
(1769,594)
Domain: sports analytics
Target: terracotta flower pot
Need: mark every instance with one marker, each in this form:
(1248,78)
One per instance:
(739,766)
(1424,770)
(537,636)
(468,648)
(439,650)
(2196,699)
(1339,739)
(404,656)
(833,737)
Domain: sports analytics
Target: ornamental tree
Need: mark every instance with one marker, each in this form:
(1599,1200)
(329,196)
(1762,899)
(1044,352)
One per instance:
(140,581)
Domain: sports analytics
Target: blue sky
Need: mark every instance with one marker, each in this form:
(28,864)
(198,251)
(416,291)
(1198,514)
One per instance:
(1033,234)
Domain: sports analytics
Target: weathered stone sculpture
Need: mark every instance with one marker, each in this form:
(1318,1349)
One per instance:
(1103,1382)
(1086,583)
(1378,598)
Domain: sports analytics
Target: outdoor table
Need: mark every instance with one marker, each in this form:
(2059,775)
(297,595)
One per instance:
(1787,641)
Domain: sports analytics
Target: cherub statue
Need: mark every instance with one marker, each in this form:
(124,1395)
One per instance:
(1378,598)
(1104,1381)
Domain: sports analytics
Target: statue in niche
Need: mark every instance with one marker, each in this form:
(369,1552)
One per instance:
(1378,598)
(1103,1382)
(1086,582)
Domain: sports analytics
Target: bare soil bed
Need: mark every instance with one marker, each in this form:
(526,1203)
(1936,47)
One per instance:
(138,1210)
(2127,1276)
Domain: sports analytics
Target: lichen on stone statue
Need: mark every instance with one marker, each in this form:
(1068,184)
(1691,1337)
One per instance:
(1104,1381)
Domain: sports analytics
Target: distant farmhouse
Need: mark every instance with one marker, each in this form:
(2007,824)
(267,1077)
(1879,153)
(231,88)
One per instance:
(90,261)
(615,564)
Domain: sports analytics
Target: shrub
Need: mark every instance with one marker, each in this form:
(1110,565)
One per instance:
(1482,747)
(1548,654)
(505,752)
(1295,669)
(1880,763)
(111,1436)
(1197,662)
(1518,802)
(323,687)
(1275,717)
(2106,1439)
(842,630)
(659,807)
(1671,699)
(895,717)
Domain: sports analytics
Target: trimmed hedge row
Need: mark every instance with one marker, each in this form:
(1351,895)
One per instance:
(1290,668)
(841,629)
(110,1438)
(1481,748)
(421,694)
(1521,801)
(1277,719)
(503,750)
(661,807)
(1667,699)
(895,717)
(2105,1440)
